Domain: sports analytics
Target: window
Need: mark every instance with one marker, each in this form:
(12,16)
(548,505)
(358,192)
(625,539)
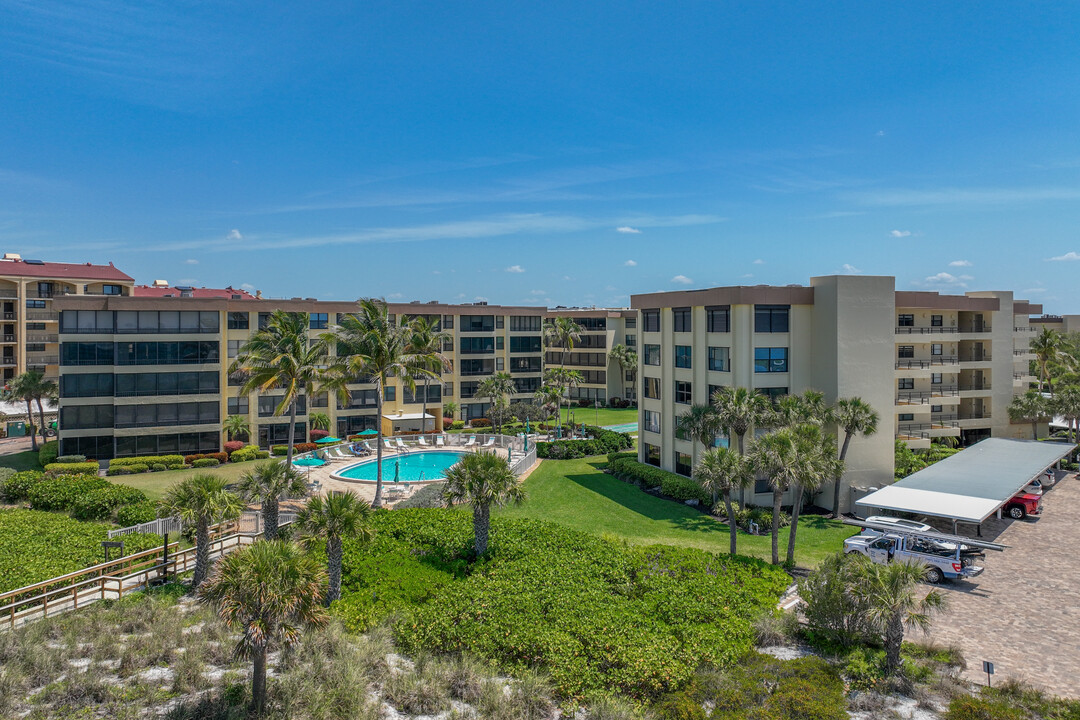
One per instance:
(318,321)
(593,324)
(652,354)
(526,385)
(526,323)
(238,405)
(631,341)
(652,421)
(499,342)
(905,351)
(35,326)
(935,378)
(167,414)
(719,318)
(525,343)
(448,322)
(770,360)
(652,388)
(761,485)
(35,347)
(651,320)
(264,320)
(448,389)
(773,393)
(631,323)
(499,367)
(352,424)
(906,383)
(468,389)
(477,323)
(88,385)
(112,290)
(35,303)
(87,353)
(278,433)
(238,321)
(477,345)
(45,289)
(268,404)
(525,364)
(83,417)
(683,392)
(719,359)
(477,367)
(234,347)
(652,454)
(771,318)
(905,320)
(936,321)
(434,394)
(322,400)
(683,354)
(389,394)
(713,389)
(683,463)
(935,349)
(681,319)
(499,320)
(167,353)
(905,417)
(935,408)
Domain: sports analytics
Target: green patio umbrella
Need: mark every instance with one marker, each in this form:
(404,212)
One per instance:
(309,462)
(367,433)
(326,440)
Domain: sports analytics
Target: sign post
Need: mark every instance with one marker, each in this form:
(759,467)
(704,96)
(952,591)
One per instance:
(988,668)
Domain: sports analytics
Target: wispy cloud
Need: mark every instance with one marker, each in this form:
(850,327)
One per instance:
(1071,255)
(247,286)
(944,280)
(538,292)
(900,233)
(835,214)
(630,263)
(850,269)
(1033,291)
(191,261)
(628,229)
(234,234)
(515,269)
(682,280)
(960,263)
(395,296)
(759,261)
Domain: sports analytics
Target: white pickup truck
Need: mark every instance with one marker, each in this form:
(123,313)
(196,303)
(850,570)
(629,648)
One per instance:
(941,561)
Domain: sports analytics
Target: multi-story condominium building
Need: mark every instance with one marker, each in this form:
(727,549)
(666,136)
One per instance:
(931,365)
(1060,323)
(602,329)
(148,373)
(27,288)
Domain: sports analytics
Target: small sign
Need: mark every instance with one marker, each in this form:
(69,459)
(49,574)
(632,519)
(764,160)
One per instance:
(988,667)
(112,544)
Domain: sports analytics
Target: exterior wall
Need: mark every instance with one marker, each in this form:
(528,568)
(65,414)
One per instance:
(614,333)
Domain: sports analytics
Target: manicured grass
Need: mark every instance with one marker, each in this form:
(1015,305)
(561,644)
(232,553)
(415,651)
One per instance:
(156,484)
(578,494)
(602,416)
(27,460)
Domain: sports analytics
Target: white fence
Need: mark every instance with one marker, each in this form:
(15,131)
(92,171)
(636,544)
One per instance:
(161,526)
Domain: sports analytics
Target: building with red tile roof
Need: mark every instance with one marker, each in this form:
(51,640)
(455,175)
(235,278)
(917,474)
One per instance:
(161,288)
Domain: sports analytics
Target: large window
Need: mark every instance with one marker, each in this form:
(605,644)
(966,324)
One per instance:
(631,341)
(525,364)
(526,323)
(773,393)
(268,404)
(652,454)
(684,392)
(905,320)
(935,378)
(652,355)
(477,345)
(182,352)
(905,384)
(683,356)
(477,366)
(720,359)
(477,323)
(112,290)
(770,360)
(318,321)
(680,318)
(352,424)
(86,417)
(526,385)
(935,349)
(36,304)
(165,444)
(98,446)
(238,405)
(651,320)
(771,318)
(594,377)
(168,414)
(168,383)
(87,353)
(905,351)
(360,399)
(278,434)
(631,323)
(238,321)
(434,394)
(84,321)
(719,318)
(88,385)
(234,347)
(651,387)
(525,343)
(165,321)
(683,463)
(652,421)
(587,359)
(593,324)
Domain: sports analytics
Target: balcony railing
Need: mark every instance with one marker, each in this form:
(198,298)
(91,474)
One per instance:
(1024,329)
(985,415)
(7,362)
(922,330)
(9,337)
(975,386)
(1025,351)
(923,397)
(9,315)
(975,357)
(974,329)
(904,363)
(47,338)
(8,293)
(41,315)
(35,359)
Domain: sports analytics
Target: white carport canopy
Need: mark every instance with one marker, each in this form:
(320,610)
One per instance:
(971,485)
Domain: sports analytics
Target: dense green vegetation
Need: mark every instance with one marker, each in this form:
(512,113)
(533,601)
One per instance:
(597,442)
(598,615)
(1012,701)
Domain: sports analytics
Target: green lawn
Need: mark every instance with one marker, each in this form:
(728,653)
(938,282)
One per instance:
(27,460)
(576,493)
(602,416)
(156,484)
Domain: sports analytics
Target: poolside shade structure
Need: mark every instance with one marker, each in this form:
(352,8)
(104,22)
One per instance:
(309,462)
(973,484)
(368,433)
(327,440)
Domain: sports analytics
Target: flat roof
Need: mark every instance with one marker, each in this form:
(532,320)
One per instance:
(972,484)
(409,416)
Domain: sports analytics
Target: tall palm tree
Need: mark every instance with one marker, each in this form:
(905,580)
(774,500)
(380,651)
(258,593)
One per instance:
(854,416)
(565,380)
(482,479)
(564,332)
(1030,407)
(282,356)
(236,426)
(18,389)
(1067,405)
(891,592)
(817,461)
(700,423)
(498,387)
(778,455)
(740,409)
(427,344)
(268,484)
(723,470)
(626,359)
(333,518)
(1047,346)
(269,592)
(319,421)
(31,386)
(549,397)
(450,409)
(371,346)
(202,500)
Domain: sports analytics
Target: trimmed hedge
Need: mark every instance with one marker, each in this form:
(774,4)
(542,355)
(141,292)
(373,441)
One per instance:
(146,460)
(479,422)
(61,492)
(134,469)
(221,457)
(205,462)
(135,513)
(47,452)
(73,468)
(17,487)
(71,459)
(234,445)
(612,457)
(674,486)
(457,425)
(100,504)
(601,442)
(298,448)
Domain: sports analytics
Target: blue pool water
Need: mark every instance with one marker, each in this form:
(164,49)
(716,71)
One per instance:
(431,465)
(625,427)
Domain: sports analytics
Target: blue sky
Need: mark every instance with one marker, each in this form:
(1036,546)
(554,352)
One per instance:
(556,152)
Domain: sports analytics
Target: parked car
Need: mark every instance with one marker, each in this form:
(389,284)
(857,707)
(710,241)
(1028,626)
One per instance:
(1023,504)
(941,562)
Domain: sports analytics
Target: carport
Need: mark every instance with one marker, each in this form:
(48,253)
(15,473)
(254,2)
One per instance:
(973,484)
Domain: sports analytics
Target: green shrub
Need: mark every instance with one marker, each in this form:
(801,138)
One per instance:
(205,462)
(833,613)
(968,707)
(47,452)
(760,687)
(612,457)
(244,454)
(57,468)
(122,470)
(674,486)
(262,454)
(457,425)
(17,487)
(137,468)
(135,513)
(146,460)
(158,467)
(60,493)
(70,459)
(101,503)
(429,496)
(600,442)
(279,450)
(176,466)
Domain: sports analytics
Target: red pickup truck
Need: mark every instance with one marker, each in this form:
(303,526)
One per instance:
(1022,505)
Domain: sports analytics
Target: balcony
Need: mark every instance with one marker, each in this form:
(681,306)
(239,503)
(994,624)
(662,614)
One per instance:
(1024,351)
(974,357)
(1027,328)
(8,293)
(915,431)
(7,362)
(922,330)
(46,338)
(39,315)
(906,363)
(42,359)
(9,315)
(924,397)
(8,338)
(965,387)
(974,415)
(973,328)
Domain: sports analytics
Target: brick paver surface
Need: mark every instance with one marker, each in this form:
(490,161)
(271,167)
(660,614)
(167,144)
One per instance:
(1023,612)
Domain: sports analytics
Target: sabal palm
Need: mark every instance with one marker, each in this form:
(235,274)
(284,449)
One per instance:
(1047,347)
(564,332)
(268,484)
(498,387)
(331,519)
(817,461)
(701,424)
(482,479)
(722,470)
(777,456)
(268,592)
(549,397)
(564,379)
(202,500)
(809,407)
(281,356)
(19,389)
(854,416)
(1030,407)
(372,347)
(319,421)
(32,386)
(236,426)
(740,409)
(626,359)
(1067,405)
(891,592)
(427,344)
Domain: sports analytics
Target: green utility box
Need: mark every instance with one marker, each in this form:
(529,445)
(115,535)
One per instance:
(16,429)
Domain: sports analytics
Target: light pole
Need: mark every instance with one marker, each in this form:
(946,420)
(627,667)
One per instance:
(597,418)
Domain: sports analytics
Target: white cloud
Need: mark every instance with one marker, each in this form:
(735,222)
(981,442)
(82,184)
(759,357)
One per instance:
(395,296)
(187,281)
(945,280)
(1033,291)
(630,263)
(850,269)
(628,229)
(436,272)
(610,288)
(747,275)
(515,269)
(248,286)
(960,263)
(759,261)
(567,277)
(900,233)
(480,298)
(191,261)
(538,292)
(1071,255)
(880,133)
(682,280)
(234,234)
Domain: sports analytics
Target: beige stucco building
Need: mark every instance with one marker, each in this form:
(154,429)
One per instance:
(602,330)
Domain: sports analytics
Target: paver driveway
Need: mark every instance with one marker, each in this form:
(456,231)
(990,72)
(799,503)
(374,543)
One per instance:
(1023,612)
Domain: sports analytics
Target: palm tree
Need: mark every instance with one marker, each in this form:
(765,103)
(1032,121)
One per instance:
(626,359)
(563,331)
(202,500)
(549,397)
(1047,346)
(1030,407)
(333,518)
(1067,405)
(269,592)
(427,344)
(723,470)
(319,421)
(740,409)
(236,426)
(450,409)
(268,484)
(564,379)
(700,423)
(498,387)
(855,417)
(31,386)
(18,388)
(482,480)
(778,455)
(817,461)
(891,593)
(282,356)
(371,346)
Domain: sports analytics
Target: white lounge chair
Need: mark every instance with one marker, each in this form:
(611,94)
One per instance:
(370,450)
(422,442)
(400,445)
(490,442)
(439,441)
(471,442)
(389,445)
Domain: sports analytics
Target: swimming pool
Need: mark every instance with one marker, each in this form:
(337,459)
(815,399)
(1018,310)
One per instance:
(412,467)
